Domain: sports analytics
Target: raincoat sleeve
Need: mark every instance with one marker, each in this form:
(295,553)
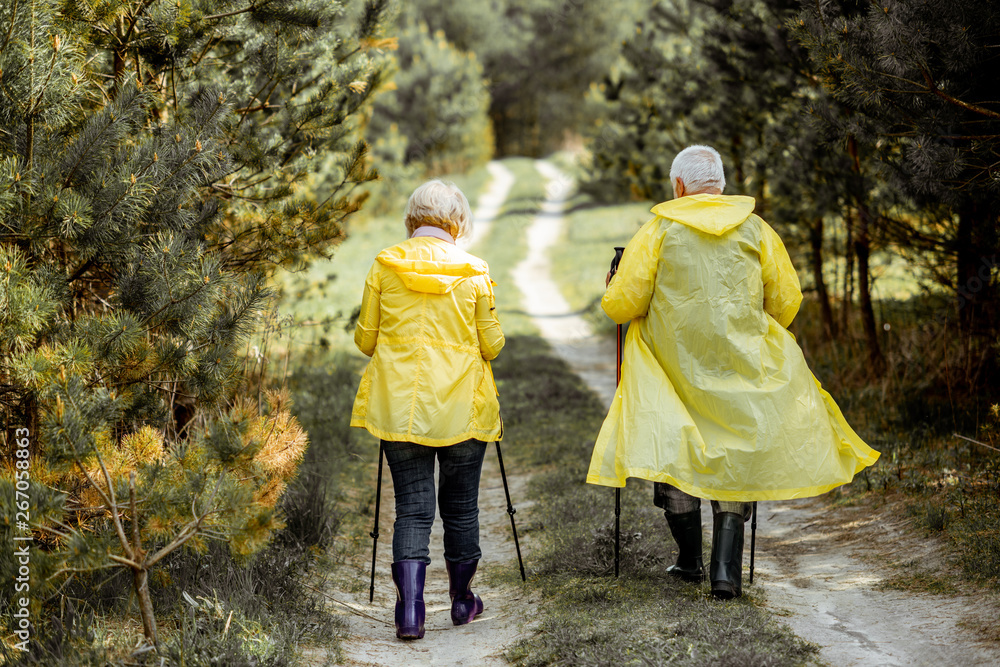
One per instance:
(631,288)
(491,339)
(782,292)
(366,330)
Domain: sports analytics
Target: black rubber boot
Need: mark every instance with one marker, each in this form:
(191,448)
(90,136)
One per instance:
(686,529)
(726,567)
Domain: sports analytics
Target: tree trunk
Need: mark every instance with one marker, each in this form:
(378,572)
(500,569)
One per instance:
(975,260)
(816,241)
(862,248)
(140,581)
(738,174)
(848,292)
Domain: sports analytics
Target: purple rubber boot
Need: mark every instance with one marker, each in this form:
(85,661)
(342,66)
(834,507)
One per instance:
(408,575)
(465,604)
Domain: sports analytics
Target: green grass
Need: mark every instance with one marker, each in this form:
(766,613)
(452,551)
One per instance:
(581,261)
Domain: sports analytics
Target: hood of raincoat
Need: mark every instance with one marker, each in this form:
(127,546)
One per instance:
(712,214)
(420,271)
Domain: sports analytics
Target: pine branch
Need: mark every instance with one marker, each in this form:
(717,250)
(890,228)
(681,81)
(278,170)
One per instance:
(48,78)
(112,506)
(10,31)
(78,570)
(135,18)
(154,385)
(257,96)
(81,270)
(136,541)
(125,561)
(232,13)
(932,88)
(189,531)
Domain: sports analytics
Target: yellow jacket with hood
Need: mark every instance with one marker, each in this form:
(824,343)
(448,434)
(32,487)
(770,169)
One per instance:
(715,395)
(428,322)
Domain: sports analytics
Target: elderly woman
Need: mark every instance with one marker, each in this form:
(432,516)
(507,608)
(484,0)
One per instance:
(716,400)
(428,322)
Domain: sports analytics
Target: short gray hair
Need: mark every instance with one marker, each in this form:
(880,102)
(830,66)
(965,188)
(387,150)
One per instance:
(700,168)
(439,204)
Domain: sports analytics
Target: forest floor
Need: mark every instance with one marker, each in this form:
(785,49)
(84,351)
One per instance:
(857,580)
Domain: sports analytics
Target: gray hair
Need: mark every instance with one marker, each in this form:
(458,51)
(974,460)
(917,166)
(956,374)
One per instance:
(439,204)
(700,168)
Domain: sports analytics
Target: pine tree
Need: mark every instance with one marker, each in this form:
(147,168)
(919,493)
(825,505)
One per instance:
(920,79)
(434,119)
(647,105)
(151,162)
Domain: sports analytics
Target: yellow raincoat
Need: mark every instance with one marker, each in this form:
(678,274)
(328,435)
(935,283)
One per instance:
(716,398)
(428,322)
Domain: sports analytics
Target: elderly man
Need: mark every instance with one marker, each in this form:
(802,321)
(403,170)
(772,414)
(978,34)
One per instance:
(716,400)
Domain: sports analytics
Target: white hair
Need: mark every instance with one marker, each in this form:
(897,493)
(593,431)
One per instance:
(700,168)
(439,204)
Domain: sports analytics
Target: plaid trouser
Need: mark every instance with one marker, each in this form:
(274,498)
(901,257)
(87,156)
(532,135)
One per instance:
(674,501)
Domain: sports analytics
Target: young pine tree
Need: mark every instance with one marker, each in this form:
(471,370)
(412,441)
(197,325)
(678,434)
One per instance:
(435,119)
(151,158)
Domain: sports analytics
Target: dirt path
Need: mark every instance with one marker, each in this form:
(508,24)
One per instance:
(372,639)
(819,567)
(489,204)
(592,357)
(825,569)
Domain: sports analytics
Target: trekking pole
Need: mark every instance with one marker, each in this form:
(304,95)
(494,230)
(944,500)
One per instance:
(511,511)
(753,538)
(618,380)
(374,533)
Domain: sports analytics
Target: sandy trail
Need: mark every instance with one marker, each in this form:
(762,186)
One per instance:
(482,642)
(592,357)
(822,567)
(809,555)
(489,204)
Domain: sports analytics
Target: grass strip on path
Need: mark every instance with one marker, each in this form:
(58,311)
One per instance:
(580,262)
(505,246)
(645,617)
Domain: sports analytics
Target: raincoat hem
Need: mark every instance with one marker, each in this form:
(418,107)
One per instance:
(718,494)
(485,436)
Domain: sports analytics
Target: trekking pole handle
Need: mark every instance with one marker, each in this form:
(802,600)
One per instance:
(617,260)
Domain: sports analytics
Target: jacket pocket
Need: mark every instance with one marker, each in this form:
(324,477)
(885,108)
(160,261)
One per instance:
(485,407)
(360,410)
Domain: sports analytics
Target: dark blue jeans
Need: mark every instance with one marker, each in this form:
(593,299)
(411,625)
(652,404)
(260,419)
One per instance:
(412,468)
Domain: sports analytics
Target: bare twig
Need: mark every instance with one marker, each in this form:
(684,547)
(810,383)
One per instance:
(976,442)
